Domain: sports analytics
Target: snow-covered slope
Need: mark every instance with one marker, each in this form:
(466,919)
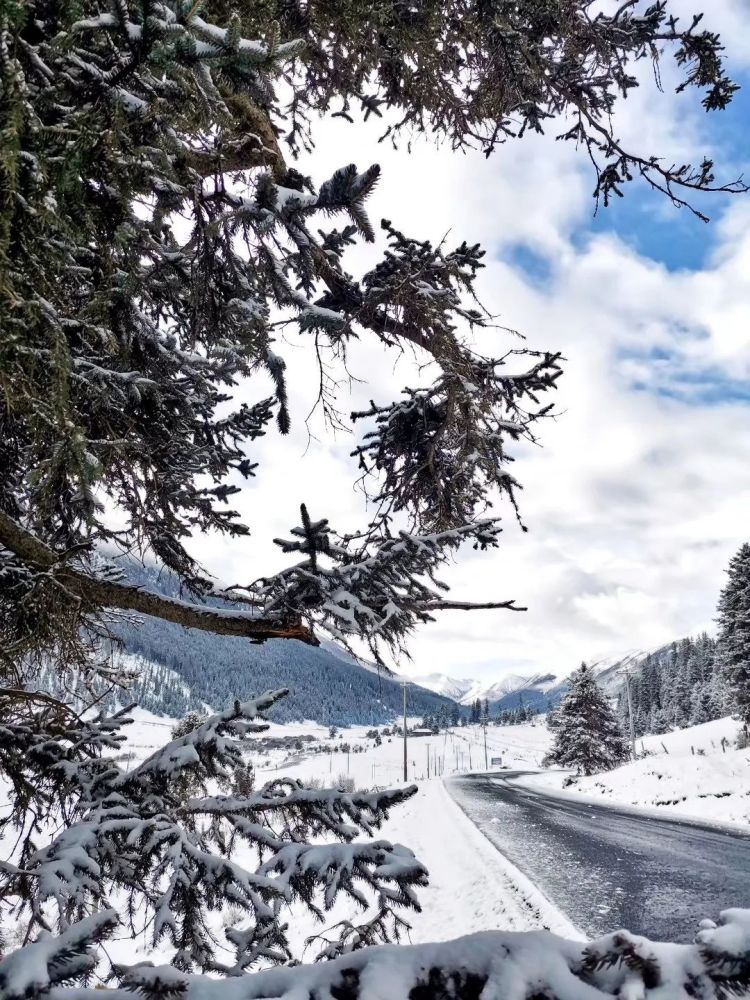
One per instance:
(449,687)
(509,685)
(534,689)
(610,671)
(696,772)
(472,886)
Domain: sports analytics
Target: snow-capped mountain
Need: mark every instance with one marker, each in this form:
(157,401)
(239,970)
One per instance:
(535,690)
(465,691)
(511,684)
(610,671)
(449,687)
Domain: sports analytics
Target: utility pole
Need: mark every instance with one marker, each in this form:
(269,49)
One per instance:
(630,711)
(484,726)
(403,684)
(428,760)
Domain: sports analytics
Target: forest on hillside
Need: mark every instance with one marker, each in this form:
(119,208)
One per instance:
(679,685)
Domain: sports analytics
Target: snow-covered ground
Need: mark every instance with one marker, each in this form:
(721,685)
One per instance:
(695,773)
(472,886)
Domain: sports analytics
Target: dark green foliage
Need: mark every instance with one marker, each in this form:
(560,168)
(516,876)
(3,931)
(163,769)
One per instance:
(216,669)
(733,647)
(137,286)
(588,737)
(480,74)
(679,685)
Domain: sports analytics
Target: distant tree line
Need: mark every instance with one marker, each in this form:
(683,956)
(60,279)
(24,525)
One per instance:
(515,716)
(696,680)
(682,684)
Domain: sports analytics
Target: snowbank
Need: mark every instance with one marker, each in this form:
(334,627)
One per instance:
(693,773)
(472,886)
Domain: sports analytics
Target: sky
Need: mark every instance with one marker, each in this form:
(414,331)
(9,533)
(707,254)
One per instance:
(640,491)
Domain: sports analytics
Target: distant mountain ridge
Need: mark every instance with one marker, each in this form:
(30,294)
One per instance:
(540,690)
(183,669)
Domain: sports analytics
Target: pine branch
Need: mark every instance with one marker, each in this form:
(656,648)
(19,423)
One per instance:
(470,606)
(99,593)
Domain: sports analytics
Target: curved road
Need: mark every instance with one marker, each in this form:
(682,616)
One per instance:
(606,868)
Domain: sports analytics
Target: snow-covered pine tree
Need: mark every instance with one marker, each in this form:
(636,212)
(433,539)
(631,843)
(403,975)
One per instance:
(153,233)
(588,737)
(680,685)
(733,617)
(160,837)
(137,286)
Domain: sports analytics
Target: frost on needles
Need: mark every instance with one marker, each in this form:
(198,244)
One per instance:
(157,231)
(132,839)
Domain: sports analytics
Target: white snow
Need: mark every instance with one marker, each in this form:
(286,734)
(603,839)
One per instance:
(465,690)
(688,772)
(472,886)
(609,670)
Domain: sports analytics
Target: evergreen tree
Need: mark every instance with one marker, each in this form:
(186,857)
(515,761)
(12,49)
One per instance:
(733,616)
(553,718)
(702,706)
(588,737)
(680,696)
(676,686)
(154,234)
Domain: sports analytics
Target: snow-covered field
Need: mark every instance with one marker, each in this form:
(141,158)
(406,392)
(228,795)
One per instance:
(690,773)
(472,887)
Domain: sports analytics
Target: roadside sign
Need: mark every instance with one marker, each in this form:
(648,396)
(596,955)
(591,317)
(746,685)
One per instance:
(496,761)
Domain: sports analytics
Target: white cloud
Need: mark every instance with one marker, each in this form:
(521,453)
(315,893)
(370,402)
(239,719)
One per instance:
(636,500)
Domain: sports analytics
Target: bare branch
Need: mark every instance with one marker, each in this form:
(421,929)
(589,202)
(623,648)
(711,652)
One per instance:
(471,606)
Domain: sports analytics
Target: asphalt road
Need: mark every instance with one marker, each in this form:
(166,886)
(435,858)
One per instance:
(607,869)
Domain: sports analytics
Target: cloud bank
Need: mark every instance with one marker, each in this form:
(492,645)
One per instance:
(641,490)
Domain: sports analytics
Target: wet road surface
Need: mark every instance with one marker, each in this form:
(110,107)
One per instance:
(606,868)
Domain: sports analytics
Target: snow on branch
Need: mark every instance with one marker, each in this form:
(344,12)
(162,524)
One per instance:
(496,965)
(327,805)
(168,852)
(377,591)
(100,592)
(31,971)
(215,738)
(438,452)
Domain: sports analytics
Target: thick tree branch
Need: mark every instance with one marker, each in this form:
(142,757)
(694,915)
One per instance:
(110,594)
(470,606)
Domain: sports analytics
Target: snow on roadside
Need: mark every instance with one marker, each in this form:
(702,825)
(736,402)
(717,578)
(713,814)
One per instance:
(693,773)
(472,886)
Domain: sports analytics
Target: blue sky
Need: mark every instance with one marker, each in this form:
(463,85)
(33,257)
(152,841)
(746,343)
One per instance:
(640,490)
(678,239)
